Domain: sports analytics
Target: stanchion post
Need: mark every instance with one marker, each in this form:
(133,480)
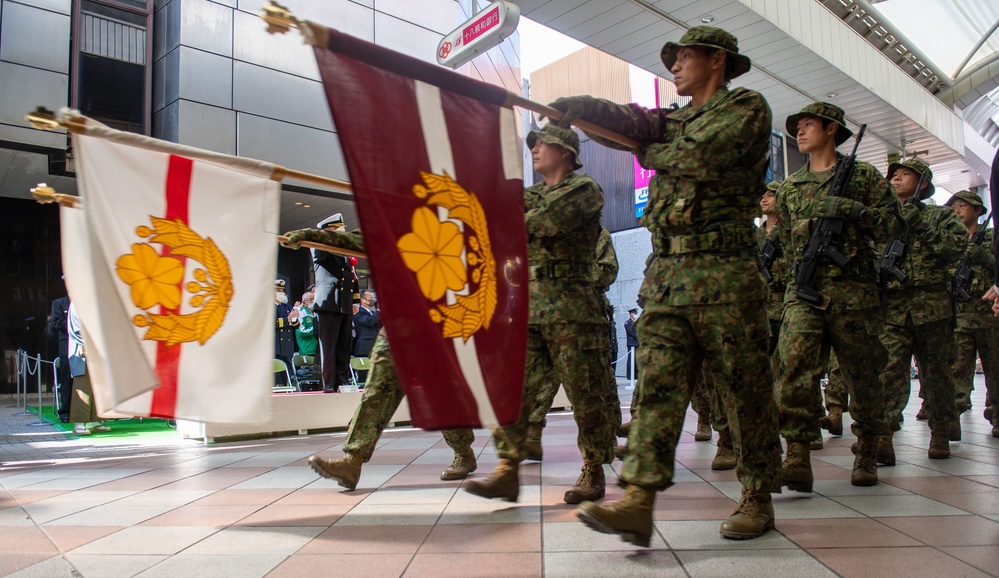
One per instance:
(23,381)
(38,373)
(631,360)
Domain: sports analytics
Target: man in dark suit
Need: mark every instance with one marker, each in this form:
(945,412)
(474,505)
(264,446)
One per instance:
(60,312)
(366,326)
(631,336)
(286,320)
(336,292)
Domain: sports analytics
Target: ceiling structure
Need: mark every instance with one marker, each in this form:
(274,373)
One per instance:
(804,51)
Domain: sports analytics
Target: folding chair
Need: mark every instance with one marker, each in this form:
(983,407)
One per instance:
(359,364)
(281,367)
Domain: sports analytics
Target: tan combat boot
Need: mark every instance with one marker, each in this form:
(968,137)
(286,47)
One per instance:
(703,432)
(725,455)
(939,444)
(623,429)
(630,517)
(752,519)
(589,486)
(796,471)
(833,421)
(620,452)
(865,467)
(885,453)
(346,470)
(817,444)
(532,443)
(503,483)
(954,433)
(463,464)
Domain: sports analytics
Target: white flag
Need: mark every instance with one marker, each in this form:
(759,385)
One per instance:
(172,273)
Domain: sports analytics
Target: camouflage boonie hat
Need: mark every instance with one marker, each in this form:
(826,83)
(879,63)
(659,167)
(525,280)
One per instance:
(821,110)
(772,186)
(563,137)
(968,197)
(920,168)
(710,37)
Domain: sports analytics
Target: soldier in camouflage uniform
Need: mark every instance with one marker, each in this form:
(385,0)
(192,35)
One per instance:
(705,295)
(382,395)
(920,311)
(977,331)
(567,327)
(848,317)
(605,272)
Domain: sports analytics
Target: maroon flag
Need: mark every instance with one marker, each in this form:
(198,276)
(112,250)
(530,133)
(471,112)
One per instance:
(434,161)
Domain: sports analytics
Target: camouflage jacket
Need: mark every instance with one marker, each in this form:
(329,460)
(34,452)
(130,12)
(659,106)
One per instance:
(853,286)
(780,272)
(934,243)
(710,163)
(563,223)
(977,314)
(606,263)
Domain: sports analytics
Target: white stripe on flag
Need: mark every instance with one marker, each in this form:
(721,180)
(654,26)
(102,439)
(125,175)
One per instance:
(513,167)
(438,145)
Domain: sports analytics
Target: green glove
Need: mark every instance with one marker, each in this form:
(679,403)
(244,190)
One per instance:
(572,108)
(840,208)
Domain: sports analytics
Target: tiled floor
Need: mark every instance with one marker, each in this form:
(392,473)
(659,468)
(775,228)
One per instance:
(254,508)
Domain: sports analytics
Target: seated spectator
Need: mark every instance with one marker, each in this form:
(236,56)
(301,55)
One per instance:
(305,334)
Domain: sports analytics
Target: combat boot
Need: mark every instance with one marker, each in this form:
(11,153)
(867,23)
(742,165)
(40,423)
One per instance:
(923,413)
(630,517)
(954,433)
(939,445)
(725,454)
(989,413)
(463,464)
(703,432)
(865,467)
(503,483)
(620,452)
(833,421)
(623,429)
(752,519)
(346,470)
(816,444)
(589,486)
(796,471)
(532,443)
(885,453)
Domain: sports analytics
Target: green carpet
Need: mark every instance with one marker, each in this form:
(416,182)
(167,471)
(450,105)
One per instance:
(131,430)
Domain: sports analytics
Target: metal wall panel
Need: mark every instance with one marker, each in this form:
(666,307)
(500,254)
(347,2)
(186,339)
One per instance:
(441,16)
(206,25)
(354,18)
(252,43)
(34,37)
(206,127)
(60,6)
(165,122)
(205,77)
(293,146)
(166,80)
(23,88)
(270,93)
(166,29)
(406,37)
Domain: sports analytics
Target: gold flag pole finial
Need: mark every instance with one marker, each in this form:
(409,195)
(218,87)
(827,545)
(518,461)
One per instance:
(44,194)
(43,119)
(278,18)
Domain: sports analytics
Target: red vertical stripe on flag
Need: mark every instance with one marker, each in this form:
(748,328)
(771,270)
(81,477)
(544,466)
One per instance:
(178,193)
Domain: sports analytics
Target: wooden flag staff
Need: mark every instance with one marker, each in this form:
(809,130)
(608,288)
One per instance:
(280,20)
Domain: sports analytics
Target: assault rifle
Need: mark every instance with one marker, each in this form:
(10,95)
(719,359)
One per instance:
(892,259)
(768,253)
(826,235)
(962,277)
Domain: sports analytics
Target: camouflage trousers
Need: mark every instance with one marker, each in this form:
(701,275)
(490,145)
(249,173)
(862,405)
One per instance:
(806,336)
(971,344)
(706,402)
(381,399)
(836,393)
(933,345)
(549,389)
(574,355)
(676,340)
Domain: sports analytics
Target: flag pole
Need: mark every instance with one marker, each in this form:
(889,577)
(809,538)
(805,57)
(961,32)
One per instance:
(280,20)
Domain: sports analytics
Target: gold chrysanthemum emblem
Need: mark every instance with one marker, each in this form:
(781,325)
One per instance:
(445,258)
(155,281)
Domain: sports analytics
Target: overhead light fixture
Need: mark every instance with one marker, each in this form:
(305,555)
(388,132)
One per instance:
(832,95)
(306,206)
(707,19)
(298,202)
